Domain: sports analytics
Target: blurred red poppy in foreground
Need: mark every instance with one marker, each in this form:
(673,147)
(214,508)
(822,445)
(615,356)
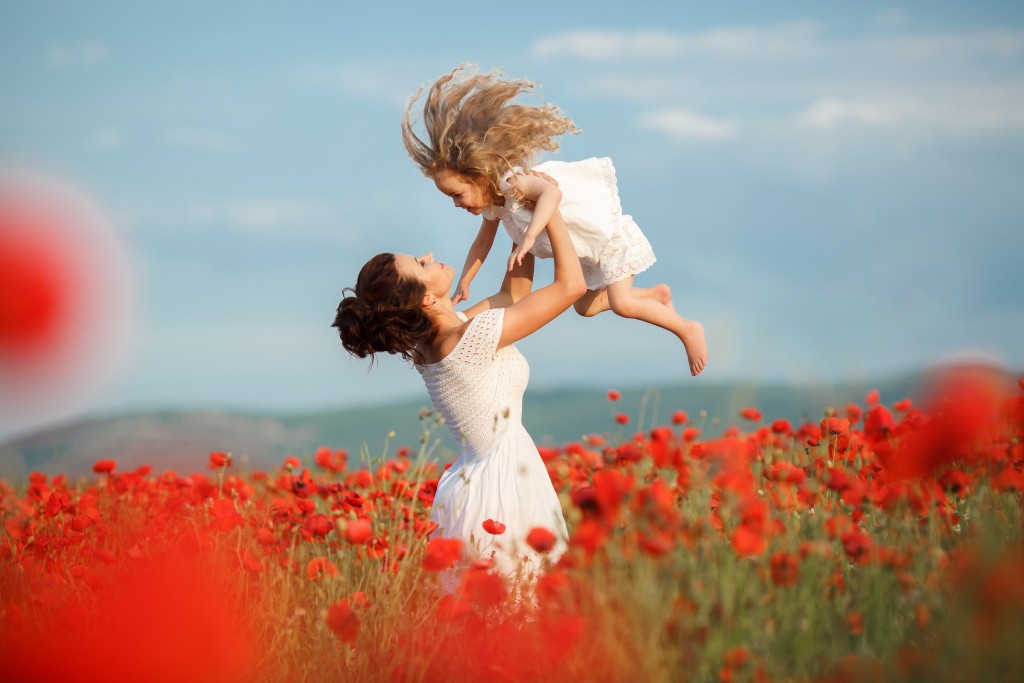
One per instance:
(442,553)
(63,298)
(175,612)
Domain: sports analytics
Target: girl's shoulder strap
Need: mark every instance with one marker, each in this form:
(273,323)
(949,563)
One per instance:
(506,182)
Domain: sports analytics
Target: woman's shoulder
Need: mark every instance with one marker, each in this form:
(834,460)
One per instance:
(468,340)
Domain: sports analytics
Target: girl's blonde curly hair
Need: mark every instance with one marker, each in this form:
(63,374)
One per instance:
(473,129)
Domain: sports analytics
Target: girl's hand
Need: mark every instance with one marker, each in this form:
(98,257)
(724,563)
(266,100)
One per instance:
(521,250)
(461,294)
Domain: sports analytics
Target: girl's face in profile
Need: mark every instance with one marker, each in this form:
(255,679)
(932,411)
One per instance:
(465,193)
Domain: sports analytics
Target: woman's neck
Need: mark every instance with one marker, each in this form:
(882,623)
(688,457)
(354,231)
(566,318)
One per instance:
(449,326)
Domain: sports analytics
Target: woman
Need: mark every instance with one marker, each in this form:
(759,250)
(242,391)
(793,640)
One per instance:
(476,379)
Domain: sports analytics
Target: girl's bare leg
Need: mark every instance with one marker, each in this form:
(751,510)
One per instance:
(596,300)
(624,300)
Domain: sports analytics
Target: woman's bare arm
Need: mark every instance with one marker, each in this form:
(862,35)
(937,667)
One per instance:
(516,285)
(545,304)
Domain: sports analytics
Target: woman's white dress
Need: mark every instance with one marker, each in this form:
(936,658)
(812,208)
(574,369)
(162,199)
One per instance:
(610,245)
(478,390)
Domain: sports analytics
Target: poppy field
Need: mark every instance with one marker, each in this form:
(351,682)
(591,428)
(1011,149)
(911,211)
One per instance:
(881,541)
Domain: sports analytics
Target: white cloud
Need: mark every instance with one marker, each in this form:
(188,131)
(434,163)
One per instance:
(793,78)
(105,138)
(682,125)
(957,112)
(357,80)
(198,140)
(789,41)
(827,114)
(80,55)
(785,40)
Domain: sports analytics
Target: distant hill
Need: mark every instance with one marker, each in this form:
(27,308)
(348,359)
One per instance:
(181,440)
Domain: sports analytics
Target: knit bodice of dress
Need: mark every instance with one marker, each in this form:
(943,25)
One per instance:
(478,388)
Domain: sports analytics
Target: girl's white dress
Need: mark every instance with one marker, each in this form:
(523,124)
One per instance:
(478,390)
(609,243)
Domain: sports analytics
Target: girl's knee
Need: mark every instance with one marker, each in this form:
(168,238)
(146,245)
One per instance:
(584,308)
(622,306)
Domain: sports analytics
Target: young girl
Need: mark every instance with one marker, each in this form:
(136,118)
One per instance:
(477,146)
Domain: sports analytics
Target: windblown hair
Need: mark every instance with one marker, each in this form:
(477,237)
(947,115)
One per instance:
(383,313)
(472,127)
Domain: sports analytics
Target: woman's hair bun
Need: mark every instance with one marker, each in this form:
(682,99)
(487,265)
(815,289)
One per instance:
(383,313)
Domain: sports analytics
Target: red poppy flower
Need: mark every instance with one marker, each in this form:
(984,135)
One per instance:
(614,395)
(622,419)
(655,543)
(343,621)
(225,516)
(483,588)
(611,487)
(319,567)
(856,544)
(541,539)
(831,426)
(442,553)
(357,531)
(318,525)
(218,460)
(872,398)
(492,527)
(359,600)
(747,542)
(878,424)
(1009,480)
(104,466)
(750,413)
(785,568)
(955,481)
(679,417)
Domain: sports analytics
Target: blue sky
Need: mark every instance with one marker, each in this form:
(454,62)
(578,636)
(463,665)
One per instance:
(834,189)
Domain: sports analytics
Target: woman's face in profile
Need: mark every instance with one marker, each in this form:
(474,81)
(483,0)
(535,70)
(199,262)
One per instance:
(435,275)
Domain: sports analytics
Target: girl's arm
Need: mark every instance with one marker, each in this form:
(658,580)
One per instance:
(545,304)
(545,196)
(475,258)
(516,286)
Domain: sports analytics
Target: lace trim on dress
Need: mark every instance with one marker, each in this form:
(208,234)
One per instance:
(627,253)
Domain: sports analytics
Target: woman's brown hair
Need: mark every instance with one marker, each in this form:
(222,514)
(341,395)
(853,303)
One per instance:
(473,129)
(383,313)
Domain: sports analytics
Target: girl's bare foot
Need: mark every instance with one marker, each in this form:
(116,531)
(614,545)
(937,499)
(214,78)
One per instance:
(696,346)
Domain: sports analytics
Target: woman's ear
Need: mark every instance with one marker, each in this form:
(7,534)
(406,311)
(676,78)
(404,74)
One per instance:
(428,300)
